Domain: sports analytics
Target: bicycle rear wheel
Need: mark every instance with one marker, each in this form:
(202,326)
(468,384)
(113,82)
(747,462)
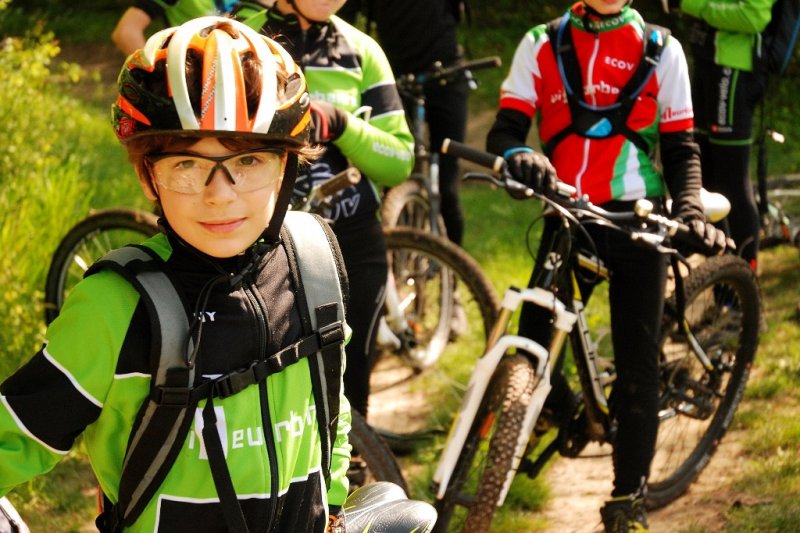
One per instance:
(697,404)
(422,371)
(408,205)
(489,458)
(378,462)
(87,241)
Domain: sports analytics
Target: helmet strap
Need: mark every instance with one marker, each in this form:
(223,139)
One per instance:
(272,233)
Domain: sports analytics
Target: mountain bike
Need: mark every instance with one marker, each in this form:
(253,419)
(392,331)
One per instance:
(416,202)
(707,342)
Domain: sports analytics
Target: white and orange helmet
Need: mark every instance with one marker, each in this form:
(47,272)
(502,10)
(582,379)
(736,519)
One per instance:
(155,96)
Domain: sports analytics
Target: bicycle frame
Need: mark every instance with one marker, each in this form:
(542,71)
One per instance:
(498,345)
(426,165)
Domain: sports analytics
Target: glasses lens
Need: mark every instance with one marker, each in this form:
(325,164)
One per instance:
(254,170)
(189,174)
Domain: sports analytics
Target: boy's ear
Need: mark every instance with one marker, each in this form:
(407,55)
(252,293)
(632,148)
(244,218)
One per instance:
(148,187)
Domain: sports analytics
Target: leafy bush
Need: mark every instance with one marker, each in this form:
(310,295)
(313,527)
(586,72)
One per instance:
(49,143)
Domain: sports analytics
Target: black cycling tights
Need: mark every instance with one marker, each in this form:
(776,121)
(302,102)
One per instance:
(364,252)
(636,301)
(725,101)
(446,114)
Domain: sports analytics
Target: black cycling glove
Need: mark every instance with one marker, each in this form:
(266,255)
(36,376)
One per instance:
(530,168)
(708,236)
(327,122)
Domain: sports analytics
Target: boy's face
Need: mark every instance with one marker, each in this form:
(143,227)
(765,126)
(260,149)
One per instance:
(218,218)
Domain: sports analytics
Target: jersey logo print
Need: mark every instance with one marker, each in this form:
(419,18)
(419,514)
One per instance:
(620,64)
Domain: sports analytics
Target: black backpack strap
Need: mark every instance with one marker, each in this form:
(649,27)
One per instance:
(605,121)
(166,416)
(321,286)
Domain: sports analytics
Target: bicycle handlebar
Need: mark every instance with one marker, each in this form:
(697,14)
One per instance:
(439,73)
(320,194)
(563,196)
(344,179)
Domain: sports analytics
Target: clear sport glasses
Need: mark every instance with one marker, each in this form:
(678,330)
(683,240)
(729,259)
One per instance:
(189,173)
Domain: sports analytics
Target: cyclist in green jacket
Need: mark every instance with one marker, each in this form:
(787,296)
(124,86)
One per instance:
(347,71)
(214,117)
(724,38)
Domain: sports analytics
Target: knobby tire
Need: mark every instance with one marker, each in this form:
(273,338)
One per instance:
(723,308)
(487,459)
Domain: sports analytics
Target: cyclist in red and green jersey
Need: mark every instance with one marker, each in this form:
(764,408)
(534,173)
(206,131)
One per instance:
(601,110)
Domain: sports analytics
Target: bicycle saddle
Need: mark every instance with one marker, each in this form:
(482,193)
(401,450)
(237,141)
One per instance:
(715,205)
(383,507)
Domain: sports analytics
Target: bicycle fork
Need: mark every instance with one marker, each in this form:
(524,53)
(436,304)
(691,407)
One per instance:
(498,345)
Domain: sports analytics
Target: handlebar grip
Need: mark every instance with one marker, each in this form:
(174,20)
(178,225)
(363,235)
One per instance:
(342,180)
(483,63)
(475,64)
(479,157)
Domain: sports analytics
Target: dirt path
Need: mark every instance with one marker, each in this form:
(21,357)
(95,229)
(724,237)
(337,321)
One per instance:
(579,487)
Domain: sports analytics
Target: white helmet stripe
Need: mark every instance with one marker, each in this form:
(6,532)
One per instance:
(153,45)
(224,96)
(268,102)
(176,61)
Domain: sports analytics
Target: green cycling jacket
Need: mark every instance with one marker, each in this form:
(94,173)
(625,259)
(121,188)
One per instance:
(93,373)
(735,27)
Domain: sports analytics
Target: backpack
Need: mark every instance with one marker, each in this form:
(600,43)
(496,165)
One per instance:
(164,419)
(593,121)
(779,38)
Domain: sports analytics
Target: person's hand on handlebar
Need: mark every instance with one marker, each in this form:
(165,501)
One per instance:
(712,238)
(530,168)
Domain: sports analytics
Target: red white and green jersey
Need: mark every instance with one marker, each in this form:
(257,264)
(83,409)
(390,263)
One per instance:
(609,51)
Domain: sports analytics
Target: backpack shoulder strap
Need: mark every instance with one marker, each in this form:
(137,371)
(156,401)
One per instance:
(600,122)
(321,286)
(166,416)
(655,38)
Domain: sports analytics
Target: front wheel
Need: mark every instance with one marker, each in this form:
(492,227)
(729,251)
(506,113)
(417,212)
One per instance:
(696,406)
(489,458)
(439,309)
(87,241)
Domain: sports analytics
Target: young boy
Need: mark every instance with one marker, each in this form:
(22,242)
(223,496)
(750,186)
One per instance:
(609,158)
(214,118)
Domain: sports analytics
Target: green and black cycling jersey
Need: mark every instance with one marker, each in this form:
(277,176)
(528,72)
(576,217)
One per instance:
(94,371)
(727,32)
(348,69)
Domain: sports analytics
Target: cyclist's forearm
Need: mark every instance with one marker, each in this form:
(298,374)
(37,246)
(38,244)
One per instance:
(680,158)
(510,129)
(749,16)
(387,157)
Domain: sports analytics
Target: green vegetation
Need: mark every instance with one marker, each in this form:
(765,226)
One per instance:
(59,158)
